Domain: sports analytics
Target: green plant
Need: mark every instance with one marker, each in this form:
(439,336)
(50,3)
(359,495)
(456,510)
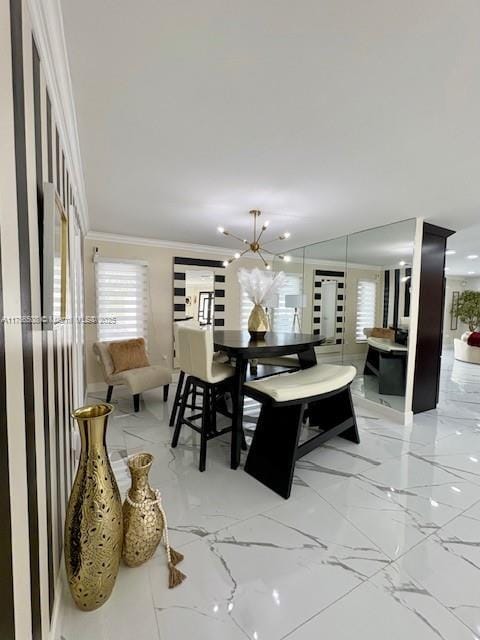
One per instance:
(467,308)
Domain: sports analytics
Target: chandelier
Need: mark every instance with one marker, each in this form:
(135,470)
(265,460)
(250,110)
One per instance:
(255,246)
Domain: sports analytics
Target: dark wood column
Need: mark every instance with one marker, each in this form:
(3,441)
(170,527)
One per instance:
(430,318)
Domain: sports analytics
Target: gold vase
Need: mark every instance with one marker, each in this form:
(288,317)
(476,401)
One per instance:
(93,523)
(258,322)
(142,519)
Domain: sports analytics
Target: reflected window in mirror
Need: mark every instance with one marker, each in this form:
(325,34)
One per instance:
(200,296)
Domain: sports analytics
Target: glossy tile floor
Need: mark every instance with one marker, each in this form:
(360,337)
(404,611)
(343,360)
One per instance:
(379,540)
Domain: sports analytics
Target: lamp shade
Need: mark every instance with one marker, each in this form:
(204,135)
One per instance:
(295,301)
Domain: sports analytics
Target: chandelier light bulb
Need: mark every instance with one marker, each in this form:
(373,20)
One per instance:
(236,255)
(220,230)
(287,258)
(268,267)
(402,263)
(225,263)
(265,224)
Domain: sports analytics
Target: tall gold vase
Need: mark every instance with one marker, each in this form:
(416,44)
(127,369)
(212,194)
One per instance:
(93,524)
(142,519)
(258,322)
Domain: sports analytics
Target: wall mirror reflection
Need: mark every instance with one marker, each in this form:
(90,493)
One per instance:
(200,296)
(379,275)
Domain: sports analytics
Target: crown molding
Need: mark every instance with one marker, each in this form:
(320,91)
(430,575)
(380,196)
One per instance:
(101,236)
(47,24)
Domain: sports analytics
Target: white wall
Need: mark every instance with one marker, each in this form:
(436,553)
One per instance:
(456,283)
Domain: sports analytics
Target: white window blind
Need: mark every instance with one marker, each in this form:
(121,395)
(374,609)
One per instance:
(281,317)
(366,306)
(122,299)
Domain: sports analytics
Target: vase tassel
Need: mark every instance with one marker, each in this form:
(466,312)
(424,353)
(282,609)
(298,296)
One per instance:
(175,556)
(175,576)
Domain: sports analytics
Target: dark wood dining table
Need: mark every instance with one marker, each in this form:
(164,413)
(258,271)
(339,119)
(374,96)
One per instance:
(240,346)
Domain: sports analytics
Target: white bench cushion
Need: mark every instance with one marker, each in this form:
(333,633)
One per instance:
(319,379)
(386,345)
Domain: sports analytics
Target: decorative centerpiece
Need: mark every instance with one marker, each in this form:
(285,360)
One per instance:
(93,523)
(145,522)
(261,288)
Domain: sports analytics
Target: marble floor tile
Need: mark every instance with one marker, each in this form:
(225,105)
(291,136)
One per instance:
(378,541)
(411,473)
(258,572)
(394,519)
(448,566)
(390,605)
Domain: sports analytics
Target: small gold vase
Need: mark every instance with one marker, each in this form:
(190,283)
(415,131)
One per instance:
(93,523)
(258,323)
(142,521)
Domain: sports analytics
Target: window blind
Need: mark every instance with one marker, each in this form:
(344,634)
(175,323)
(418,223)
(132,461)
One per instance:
(366,307)
(121,299)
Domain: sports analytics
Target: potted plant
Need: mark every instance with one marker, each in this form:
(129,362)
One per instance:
(467,308)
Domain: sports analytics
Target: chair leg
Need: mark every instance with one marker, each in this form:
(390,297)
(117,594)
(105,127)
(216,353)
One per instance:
(178,397)
(206,414)
(213,409)
(136,402)
(109,393)
(181,413)
(165,392)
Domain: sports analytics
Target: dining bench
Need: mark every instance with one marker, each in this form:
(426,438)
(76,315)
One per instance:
(324,391)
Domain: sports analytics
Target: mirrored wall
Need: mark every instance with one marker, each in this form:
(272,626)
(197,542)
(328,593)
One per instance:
(355,292)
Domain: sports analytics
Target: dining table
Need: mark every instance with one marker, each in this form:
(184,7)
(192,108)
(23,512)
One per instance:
(242,348)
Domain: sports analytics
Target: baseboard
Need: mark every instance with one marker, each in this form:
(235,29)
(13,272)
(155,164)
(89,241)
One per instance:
(402,417)
(57,613)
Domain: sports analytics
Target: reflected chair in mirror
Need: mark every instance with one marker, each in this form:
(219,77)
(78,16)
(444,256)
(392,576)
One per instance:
(195,357)
(136,379)
(387,360)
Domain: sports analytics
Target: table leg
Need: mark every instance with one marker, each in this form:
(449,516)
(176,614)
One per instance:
(237,418)
(307,358)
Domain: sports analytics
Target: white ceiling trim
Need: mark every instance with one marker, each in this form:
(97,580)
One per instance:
(101,236)
(47,23)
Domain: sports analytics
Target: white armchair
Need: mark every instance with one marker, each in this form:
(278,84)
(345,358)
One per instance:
(137,380)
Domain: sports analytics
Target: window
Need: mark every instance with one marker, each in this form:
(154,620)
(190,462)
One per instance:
(281,317)
(122,299)
(366,306)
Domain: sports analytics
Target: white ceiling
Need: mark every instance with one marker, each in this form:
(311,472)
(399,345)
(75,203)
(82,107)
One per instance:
(464,243)
(329,115)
